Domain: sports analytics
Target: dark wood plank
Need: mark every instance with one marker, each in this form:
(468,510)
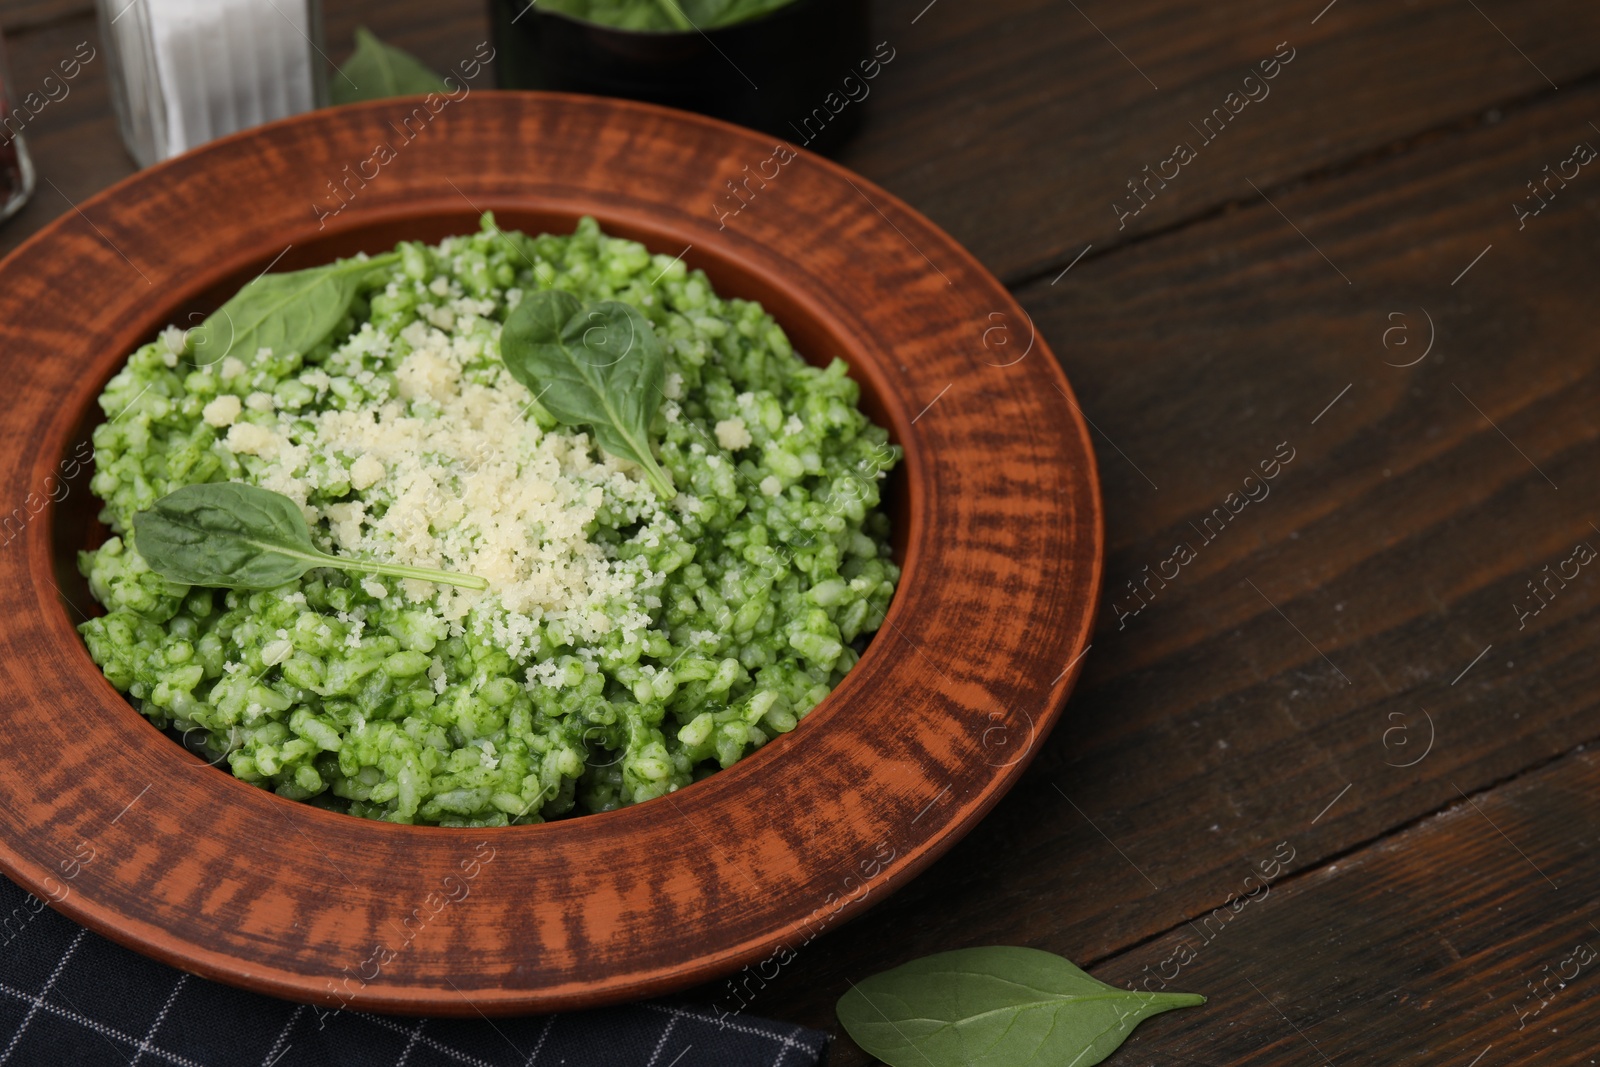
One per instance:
(1016,125)
(1440,944)
(19,15)
(1471,935)
(1397,541)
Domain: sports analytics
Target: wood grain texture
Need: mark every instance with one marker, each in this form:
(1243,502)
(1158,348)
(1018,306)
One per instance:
(22,15)
(1434,945)
(1473,934)
(1000,519)
(1016,124)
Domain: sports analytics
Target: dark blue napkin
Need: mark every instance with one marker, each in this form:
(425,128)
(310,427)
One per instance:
(68,996)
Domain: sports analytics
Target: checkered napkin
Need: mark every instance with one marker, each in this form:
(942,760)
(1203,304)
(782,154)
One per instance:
(70,997)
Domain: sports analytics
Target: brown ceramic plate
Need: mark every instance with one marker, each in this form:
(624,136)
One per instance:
(997,520)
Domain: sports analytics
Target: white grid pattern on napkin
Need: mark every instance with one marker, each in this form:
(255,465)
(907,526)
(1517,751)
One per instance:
(682,1031)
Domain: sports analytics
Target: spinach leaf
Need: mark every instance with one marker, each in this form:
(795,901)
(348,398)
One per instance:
(674,14)
(998,1006)
(599,366)
(239,536)
(288,312)
(376,70)
(663,15)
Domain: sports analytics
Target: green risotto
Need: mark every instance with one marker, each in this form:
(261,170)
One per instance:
(630,641)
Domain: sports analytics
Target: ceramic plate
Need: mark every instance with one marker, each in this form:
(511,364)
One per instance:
(997,524)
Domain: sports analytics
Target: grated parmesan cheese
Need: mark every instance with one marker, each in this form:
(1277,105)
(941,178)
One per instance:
(452,474)
(732,434)
(222,411)
(253,440)
(365,473)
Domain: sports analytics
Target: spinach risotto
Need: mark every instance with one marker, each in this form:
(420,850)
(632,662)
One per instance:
(660,602)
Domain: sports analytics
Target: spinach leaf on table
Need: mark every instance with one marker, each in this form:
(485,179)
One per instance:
(599,366)
(236,536)
(999,1006)
(376,70)
(288,312)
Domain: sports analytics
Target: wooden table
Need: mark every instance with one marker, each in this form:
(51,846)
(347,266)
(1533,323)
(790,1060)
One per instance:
(1353,675)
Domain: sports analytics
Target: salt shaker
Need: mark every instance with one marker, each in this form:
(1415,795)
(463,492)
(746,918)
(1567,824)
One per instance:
(186,71)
